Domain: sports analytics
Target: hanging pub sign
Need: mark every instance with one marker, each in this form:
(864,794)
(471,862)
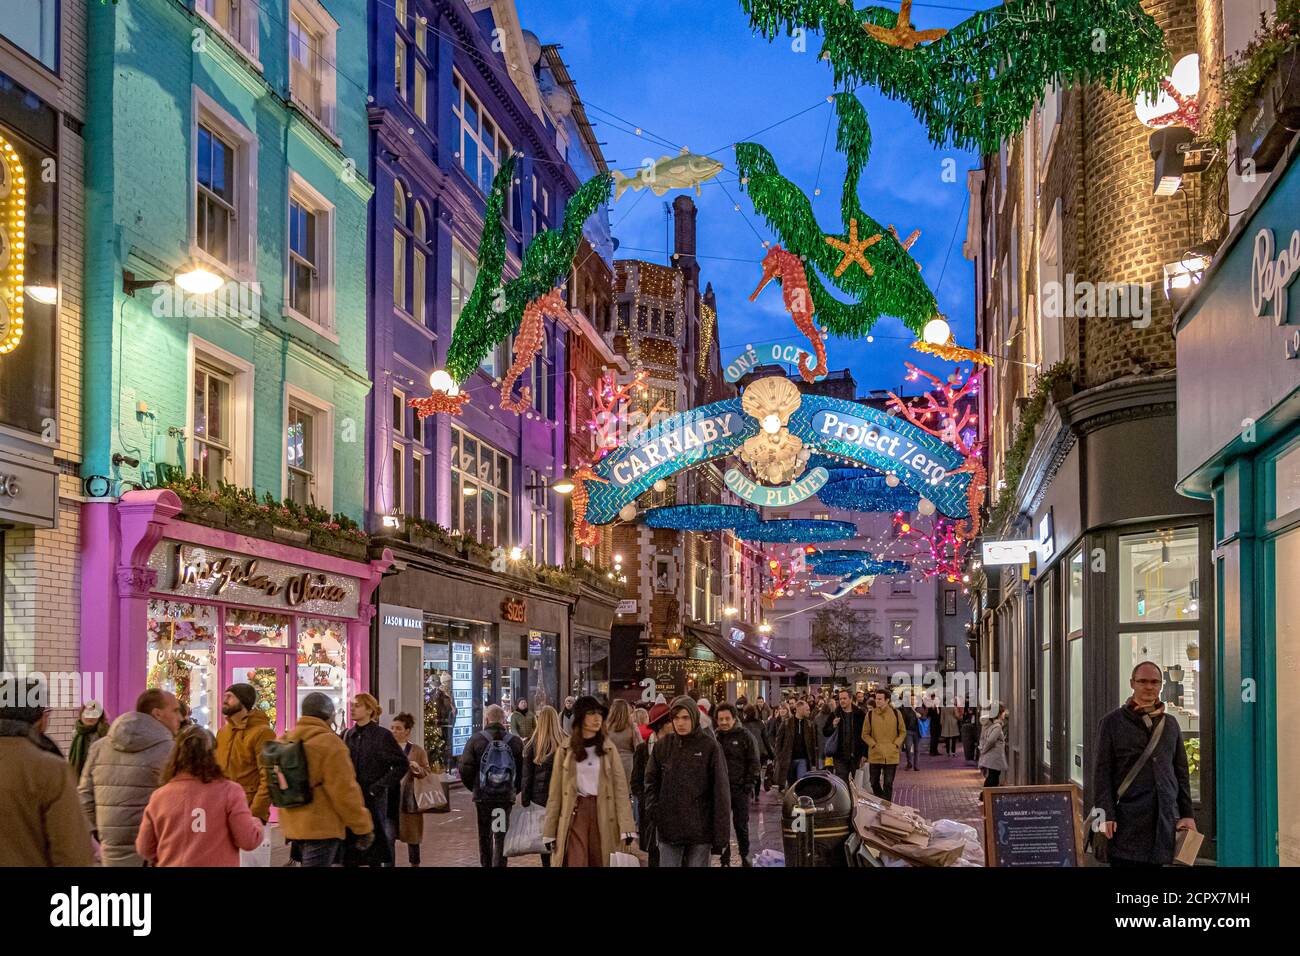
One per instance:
(189,570)
(851,431)
(766,496)
(514,610)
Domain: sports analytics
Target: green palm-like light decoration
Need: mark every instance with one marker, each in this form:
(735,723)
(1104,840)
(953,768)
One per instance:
(976,86)
(494,309)
(896,287)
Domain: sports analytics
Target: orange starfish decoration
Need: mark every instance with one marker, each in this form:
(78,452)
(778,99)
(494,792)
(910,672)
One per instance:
(853,249)
(439,402)
(901,33)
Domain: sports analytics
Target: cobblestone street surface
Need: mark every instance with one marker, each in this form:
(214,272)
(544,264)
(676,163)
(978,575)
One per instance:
(944,788)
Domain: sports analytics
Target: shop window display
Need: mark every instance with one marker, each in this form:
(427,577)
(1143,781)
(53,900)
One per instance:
(256,628)
(1178,655)
(322,664)
(1158,577)
(182,656)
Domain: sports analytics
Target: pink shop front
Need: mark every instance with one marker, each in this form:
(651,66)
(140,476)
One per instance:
(192,609)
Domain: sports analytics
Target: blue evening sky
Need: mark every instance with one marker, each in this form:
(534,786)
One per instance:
(692,73)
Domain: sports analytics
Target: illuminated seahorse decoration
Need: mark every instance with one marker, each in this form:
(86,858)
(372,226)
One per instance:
(13,242)
(583,533)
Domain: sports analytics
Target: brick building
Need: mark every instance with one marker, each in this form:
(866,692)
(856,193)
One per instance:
(695,594)
(42,112)
(1078,421)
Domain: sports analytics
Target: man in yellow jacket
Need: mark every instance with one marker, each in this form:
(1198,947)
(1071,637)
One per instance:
(883,732)
(337,805)
(240,740)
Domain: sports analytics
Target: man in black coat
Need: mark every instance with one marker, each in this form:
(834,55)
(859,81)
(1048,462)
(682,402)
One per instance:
(493,809)
(686,791)
(380,764)
(797,746)
(741,754)
(845,726)
(1142,824)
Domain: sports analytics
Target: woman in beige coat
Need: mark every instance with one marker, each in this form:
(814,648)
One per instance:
(410,826)
(588,809)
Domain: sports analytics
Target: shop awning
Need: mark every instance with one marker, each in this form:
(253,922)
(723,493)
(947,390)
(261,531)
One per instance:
(746,659)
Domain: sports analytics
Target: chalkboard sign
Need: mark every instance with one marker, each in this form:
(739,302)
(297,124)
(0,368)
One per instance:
(1033,826)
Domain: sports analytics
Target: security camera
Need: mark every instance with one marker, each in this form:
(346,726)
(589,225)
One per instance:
(121,459)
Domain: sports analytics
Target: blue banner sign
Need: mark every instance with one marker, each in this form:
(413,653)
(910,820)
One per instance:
(751,358)
(766,496)
(856,432)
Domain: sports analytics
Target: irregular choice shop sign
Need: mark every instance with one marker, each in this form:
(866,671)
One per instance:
(187,570)
(855,432)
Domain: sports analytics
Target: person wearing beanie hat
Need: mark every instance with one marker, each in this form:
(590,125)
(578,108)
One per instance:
(40,818)
(588,811)
(318,829)
(244,732)
(687,792)
(660,724)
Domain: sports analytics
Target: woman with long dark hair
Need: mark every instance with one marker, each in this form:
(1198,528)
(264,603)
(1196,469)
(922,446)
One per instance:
(194,788)
(588,811)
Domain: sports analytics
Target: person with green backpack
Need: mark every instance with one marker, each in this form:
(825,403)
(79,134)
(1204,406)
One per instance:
(308,775)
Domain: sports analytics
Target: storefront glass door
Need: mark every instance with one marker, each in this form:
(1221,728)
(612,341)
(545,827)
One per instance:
(1283,507)
(267,674)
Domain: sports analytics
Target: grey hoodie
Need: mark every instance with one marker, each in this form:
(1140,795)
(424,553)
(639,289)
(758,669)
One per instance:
(122,771)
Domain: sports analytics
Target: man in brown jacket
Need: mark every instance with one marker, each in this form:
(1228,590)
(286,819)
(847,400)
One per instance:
(240,740)
(40,817)
(883,732)
(320,827)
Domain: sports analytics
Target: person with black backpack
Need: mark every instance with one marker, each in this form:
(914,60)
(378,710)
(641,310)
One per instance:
(308,775)
(883,731)
(491,768)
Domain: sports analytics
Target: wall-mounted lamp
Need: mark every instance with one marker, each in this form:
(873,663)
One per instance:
(393,519)
(674,643)
(44,294)
(192,278)
(1183,276)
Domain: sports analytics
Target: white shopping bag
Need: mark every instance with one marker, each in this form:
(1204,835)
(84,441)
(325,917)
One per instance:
(623,859)
(260,856)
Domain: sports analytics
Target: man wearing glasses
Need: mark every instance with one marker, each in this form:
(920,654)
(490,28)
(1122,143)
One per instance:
(1140,776)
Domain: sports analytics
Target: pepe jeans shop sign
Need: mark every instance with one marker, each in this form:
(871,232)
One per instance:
(187,570)
(1270,275)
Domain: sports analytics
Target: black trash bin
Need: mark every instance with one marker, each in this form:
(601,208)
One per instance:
(827,807)
(970,738)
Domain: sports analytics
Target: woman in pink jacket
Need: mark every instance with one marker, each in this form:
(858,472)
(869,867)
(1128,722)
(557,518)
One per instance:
(197,817)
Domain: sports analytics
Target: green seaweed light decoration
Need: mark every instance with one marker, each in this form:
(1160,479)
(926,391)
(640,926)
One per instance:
(977,85)
(973,86)
(494,309)
(894,287)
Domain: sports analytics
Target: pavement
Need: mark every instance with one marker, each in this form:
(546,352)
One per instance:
(944,788)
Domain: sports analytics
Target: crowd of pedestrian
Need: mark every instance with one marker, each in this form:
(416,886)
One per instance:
(676,778)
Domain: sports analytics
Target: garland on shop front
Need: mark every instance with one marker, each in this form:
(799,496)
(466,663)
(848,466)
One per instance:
(976,86)
(496,306)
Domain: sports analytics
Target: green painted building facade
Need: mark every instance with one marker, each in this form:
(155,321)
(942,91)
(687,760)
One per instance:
(234,142)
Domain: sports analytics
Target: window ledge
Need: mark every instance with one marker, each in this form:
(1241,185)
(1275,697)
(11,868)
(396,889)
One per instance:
(238,272)
(305,112)
(244,52)
(292,313)
(416,324)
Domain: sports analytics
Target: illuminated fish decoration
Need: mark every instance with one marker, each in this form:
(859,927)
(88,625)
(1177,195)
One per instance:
(686,170)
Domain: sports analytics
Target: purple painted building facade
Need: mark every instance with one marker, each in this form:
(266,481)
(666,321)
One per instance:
(454,91)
